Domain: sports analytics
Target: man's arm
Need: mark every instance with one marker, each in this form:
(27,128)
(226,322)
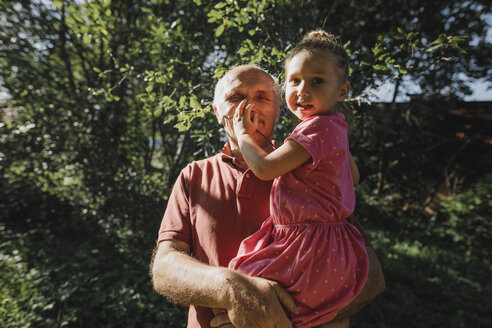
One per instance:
(249,301)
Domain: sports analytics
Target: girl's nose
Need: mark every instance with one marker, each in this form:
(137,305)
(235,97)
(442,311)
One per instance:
(302,89)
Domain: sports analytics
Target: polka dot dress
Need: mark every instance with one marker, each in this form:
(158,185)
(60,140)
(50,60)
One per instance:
(306,244)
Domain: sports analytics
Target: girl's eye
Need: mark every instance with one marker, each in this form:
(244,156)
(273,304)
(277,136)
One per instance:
(317,81)
(295,81)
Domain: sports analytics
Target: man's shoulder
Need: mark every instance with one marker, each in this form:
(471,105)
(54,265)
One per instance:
(203,170)
(207,161)
(202,164)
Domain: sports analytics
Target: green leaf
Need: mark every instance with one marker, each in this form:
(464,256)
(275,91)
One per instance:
(194,103)
(86,38)
(376,50)
(162,79)
(220,5)
(411,35)
(72,9)
(379,67)
(219,72)
(183,126)
(434,47)
(219,31)
(158,112)
(214,16)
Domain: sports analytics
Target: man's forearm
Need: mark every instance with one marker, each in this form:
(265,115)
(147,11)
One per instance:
(184,280)
(250,301)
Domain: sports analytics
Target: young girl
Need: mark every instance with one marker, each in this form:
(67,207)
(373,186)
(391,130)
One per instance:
(306,244)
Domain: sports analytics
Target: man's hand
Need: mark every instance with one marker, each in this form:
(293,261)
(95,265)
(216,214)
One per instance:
(257,303)
(221,319)
(244,121)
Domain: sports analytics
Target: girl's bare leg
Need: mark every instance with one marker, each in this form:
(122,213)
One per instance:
(344,323)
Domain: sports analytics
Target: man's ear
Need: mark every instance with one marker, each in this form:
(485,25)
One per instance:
(219,119)
(343,91)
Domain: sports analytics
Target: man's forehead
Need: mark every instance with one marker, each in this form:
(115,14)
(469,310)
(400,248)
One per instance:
(250,78)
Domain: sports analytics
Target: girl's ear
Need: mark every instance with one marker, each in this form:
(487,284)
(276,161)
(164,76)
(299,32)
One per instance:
(343,91)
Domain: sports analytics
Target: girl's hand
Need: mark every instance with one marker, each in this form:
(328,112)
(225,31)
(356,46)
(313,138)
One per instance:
(244,121)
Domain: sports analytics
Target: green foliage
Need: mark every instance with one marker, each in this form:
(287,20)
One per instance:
(434,253)
(466,221)
(22,302)
(108,100)
(433,272)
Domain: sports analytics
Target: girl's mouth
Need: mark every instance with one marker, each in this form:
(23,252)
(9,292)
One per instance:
(304,106)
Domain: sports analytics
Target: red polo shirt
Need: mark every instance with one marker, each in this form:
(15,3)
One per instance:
(214,205)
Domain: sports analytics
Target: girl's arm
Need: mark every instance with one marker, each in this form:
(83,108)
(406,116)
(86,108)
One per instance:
(265,166)
(279,162)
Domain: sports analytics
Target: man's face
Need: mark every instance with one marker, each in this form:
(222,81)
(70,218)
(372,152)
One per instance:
(258,89)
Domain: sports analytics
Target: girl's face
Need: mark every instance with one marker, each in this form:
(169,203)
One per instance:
(313,85)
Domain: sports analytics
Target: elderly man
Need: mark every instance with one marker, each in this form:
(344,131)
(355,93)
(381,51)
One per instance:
(214,205)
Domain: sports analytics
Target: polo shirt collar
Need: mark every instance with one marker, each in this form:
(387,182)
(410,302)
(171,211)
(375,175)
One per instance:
(227,156)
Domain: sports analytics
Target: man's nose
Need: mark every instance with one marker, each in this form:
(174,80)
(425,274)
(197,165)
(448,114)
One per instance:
(302,89)
(252,107)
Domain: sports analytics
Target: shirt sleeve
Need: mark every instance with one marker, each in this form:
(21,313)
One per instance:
(322,136)
(176,223)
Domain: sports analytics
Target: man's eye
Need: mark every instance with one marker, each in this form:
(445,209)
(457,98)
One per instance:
(295,81)
(234,98)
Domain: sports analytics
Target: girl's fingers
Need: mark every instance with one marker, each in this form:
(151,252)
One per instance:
(240,108)
(247,112)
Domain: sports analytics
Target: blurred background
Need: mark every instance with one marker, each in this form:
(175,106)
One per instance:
(103,102)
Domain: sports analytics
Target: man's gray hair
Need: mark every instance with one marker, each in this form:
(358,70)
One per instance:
(220,83)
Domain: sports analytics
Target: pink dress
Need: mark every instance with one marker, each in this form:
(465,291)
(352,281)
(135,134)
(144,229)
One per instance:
(306,244)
